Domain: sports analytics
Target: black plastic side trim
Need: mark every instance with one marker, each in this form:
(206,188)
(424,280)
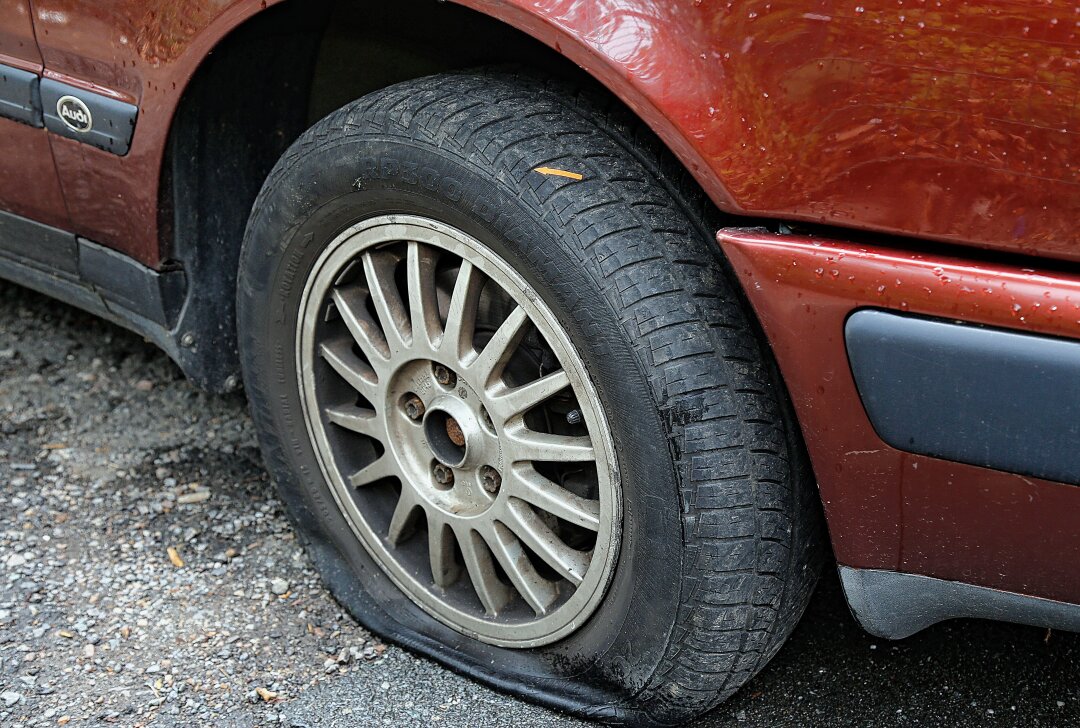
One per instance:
(75,292)
(893,605)
(987,397)
(112,122)
(19,95)
(102,281)
(38,244)
(128,285)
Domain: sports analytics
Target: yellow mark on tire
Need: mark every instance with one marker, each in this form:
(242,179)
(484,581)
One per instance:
(558,172)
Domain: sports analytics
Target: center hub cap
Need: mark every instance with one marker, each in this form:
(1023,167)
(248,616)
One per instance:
(453,433)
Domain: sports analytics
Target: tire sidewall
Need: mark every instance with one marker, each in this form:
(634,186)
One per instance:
(338,182)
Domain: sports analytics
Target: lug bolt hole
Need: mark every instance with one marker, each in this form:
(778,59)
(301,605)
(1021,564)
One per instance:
(486,419)
(444,376)
(490,479)
(444,476)
(413,407)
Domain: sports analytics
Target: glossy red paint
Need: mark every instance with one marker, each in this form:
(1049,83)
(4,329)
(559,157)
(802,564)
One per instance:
(28,181)
(893,510)
(17,45)
(954,122)
(143,52)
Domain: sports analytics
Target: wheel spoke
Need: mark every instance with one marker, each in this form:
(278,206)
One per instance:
(461,318)
(531,486)
(363,329)
(537,535)
(510,402)
(493,594)
(383,467)
(405,514)
(444,569)
(526,444)
(423,304)
(379,269)
(538,592)
(489,364)
(362,421)
(359,375)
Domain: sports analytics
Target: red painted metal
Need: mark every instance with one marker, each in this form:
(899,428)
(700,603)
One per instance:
(889,509)
(143,52)
(17,45)
(953,121)
(28,182)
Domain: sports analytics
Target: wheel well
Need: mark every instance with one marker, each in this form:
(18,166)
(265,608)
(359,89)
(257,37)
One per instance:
(258,90)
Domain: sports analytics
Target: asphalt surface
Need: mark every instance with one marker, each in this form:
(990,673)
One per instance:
(109,458)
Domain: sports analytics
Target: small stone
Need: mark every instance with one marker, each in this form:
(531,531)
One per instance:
(16,560)
(10,697)
(279,586)
(144,385)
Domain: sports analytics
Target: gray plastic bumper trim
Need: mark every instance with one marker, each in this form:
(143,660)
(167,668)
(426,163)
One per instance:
(894,605)
(998,399)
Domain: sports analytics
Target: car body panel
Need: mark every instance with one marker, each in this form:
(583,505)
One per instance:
(952,121)
(140,52)
(893,510)
(28,182)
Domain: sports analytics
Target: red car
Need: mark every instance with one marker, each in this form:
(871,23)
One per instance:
(576,332)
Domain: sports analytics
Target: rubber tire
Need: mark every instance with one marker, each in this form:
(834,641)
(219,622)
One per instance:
(721,536)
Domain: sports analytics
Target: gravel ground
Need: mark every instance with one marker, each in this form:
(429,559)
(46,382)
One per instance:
(148,576)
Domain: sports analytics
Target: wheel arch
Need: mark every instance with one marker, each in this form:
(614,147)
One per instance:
(268,71)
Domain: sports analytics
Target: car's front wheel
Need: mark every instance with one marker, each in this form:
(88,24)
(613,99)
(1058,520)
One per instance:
(516,408)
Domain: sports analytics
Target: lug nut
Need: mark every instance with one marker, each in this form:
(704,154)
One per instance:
(443,475)
(414,407)
(444,376)
(490,479)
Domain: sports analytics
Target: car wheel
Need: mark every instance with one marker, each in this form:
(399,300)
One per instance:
(517,409)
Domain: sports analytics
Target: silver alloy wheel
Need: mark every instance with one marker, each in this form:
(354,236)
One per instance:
(460,434)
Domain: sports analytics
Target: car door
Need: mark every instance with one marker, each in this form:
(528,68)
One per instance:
(30,194)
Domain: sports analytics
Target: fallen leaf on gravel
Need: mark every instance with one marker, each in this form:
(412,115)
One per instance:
(63,720)
(197,497)
(265,694)
(174,557)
